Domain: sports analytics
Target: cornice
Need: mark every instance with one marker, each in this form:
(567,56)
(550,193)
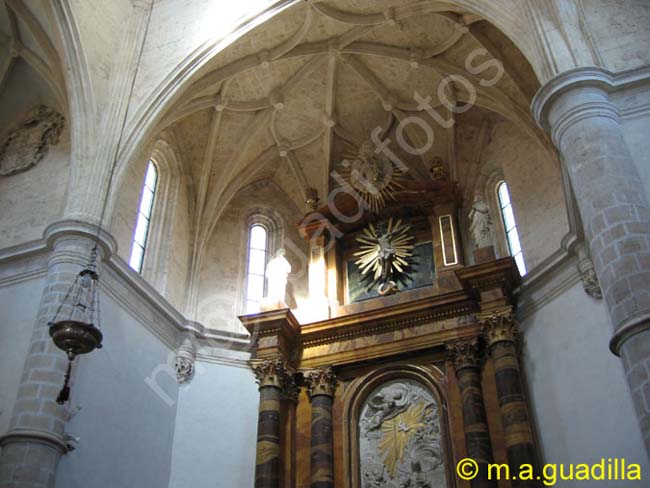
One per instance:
(391,318)
(129,290)
(593,77)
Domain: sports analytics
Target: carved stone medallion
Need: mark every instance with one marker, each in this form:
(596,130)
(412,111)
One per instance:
(399,438)
(27,145)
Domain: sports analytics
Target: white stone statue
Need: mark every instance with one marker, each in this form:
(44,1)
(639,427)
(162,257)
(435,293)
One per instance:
(277,272)
(481,226)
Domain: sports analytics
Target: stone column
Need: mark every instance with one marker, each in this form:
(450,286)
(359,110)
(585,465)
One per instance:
(320,386)
(35,441)
(500,331)
(274,378)
(466,357)
(585,126)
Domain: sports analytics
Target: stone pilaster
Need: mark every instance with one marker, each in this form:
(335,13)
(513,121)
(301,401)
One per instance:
(585,126)
(466,358)
(320,386)
(35,441)
(500,332)
(274,378)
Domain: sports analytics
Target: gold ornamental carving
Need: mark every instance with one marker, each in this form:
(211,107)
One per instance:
(466,353)
(320,382)
(499,326)
(273,372)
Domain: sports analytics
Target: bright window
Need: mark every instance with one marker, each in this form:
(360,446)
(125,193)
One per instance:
(144,218)
(511,226)
(257,258)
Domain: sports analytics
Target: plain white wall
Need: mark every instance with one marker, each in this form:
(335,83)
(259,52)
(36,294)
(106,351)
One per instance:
(126,428)
(216,429)
(579,395)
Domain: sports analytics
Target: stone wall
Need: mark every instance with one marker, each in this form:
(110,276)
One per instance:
(579,398)
(31,200)
(620,29)
(535,186)
(125,427)
(221,283)
(19,299)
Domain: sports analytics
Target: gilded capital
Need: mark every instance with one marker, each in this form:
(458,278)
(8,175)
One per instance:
(320,382)
(465,353)
(272,372)
(498,326)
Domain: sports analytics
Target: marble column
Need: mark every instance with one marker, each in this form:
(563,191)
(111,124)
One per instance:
(575,108)
(466,358)
(274,378)
(35,441)
(320,386)
(500,331)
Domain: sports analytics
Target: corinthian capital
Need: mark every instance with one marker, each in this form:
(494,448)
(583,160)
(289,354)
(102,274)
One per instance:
(498,326)
(465,353)
(320,382)
(272,372)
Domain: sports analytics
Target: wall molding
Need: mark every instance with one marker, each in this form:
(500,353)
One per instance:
(128,289)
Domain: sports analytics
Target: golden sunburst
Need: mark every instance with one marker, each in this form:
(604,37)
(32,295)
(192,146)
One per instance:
(372,175)
(396,433)
(385,255)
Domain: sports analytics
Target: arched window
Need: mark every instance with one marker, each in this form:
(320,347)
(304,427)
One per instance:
(257,257)
(144,218)
(510,226)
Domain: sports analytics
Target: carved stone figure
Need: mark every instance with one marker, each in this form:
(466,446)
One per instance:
(481,226)
(590,280)
(27,145)
(385,255)
(184,361)
(277,272)
(400,439)
(372,175)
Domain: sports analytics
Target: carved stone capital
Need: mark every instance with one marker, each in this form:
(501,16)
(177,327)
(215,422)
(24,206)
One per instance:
(273,372)
(465,353)
(498,326)
(320,382)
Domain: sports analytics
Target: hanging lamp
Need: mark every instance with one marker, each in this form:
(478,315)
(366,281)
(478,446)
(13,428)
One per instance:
(75,326)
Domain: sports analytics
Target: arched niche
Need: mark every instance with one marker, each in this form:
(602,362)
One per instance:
(396,429)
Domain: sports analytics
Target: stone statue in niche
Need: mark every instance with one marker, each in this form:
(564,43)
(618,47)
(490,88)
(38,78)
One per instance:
(400,442)
(27,145)
(277,272)
(481,226)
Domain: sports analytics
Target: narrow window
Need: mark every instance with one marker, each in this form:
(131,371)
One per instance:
(257,257)
(144,218)
(510,225)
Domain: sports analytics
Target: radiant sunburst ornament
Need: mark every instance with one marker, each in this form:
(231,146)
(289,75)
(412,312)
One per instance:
(385,258)
(372,175)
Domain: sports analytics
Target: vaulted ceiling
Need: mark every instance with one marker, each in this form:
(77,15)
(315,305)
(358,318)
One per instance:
(288,101)
(25,38)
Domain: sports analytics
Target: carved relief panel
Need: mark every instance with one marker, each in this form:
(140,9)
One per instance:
(28,144)
(400,438)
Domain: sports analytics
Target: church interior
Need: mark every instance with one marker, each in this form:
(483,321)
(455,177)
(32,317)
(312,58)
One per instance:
(324,243)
